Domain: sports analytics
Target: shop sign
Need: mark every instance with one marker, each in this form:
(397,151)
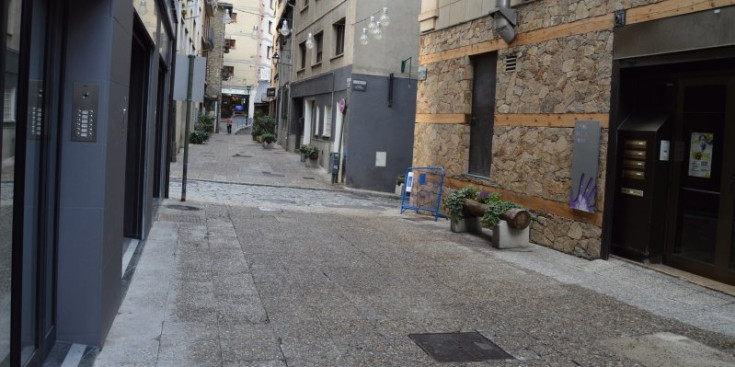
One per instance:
(585,158)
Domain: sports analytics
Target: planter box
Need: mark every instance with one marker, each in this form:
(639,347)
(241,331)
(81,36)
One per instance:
(505,237)
(467,224)
(399,189)
(268,145)
(311,163)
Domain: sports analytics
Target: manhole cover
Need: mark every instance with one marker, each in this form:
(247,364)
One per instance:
(459,347)
(183,207)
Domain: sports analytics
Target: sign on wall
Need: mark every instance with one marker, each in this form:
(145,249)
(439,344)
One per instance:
(359,85)
(700,155)
(585,157)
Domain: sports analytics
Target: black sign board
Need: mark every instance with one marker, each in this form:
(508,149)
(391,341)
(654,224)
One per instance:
(270,92)
(359,85)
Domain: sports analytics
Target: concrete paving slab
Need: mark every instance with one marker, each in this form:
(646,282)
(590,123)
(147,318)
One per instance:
(669,350)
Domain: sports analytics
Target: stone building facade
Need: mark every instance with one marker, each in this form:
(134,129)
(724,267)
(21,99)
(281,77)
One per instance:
(564,65)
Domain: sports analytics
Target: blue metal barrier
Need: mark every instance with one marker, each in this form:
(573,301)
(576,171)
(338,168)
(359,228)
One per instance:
(422,190)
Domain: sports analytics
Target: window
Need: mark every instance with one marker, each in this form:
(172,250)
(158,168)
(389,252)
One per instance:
(228,72)
(9,104)
(318,47)
(317,121)
(327,131)
(306,3)
(302,55)
(483,105)
(270,25)
(230,43)
(233,17)
(269,52)
(339,37)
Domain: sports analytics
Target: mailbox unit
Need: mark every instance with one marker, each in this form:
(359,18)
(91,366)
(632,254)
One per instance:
(640,198)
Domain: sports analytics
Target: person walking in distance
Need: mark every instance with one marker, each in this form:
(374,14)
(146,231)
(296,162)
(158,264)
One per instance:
(229,125)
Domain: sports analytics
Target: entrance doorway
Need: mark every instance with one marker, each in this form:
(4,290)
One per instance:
(137,127)
(703,179)
(682,187)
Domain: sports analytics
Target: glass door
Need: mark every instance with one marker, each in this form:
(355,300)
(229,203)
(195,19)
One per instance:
(702,234)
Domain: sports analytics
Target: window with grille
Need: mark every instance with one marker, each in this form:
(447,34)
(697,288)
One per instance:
(339,37)
(228,72)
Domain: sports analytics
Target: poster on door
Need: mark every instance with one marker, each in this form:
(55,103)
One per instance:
(700,155)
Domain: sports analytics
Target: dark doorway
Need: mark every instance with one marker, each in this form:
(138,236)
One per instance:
(135,156)
(483,110)
(158,177)
(693,163)
(703,177)
(297,129)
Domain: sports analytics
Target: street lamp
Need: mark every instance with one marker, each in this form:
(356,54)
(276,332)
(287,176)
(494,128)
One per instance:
(284,29)
(374,27)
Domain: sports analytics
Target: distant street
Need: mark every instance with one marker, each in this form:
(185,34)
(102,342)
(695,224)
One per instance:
(268,264)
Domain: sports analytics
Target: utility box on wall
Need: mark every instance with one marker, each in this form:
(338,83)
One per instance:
(641,192)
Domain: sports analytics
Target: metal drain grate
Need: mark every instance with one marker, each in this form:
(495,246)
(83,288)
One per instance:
(179,218)
(273,174)
(182,207)
(308,178)
(459,347)
(241,155)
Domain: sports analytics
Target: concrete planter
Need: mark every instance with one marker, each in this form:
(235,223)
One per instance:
(399,189)
(467,224)
(505,237)
(268,145)
(311,163)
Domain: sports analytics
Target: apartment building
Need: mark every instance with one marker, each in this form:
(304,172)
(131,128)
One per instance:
(611,120)
(247,48)
(86,134)
(347,91)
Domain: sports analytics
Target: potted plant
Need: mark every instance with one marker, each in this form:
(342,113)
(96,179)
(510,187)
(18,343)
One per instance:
(268,139)
(400,180)
(312,153)
(454,204)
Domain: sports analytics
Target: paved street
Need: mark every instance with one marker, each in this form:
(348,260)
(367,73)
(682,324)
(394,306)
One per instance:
(263,269)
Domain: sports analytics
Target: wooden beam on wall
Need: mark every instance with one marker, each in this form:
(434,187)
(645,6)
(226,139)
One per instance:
(550,119)
(664,9)
(442,118)
(534,203)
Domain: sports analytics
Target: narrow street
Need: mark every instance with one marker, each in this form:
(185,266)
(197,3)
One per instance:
(267,264)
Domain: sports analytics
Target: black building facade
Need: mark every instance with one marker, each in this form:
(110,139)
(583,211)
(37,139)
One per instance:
(85,138)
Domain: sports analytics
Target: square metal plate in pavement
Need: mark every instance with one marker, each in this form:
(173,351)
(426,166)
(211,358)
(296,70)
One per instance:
(459,347)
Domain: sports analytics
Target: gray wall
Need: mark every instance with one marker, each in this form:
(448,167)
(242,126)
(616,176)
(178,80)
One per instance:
(92,174)
(374,127)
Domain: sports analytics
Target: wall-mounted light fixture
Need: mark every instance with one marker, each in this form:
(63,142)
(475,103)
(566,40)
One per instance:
(505,18)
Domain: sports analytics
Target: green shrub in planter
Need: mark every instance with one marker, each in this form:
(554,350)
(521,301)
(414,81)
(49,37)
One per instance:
(495,209)
(268,138)
(454,202)
(198,137)
(205,123)
(310,151)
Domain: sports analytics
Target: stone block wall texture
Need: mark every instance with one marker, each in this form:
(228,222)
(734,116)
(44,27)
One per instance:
(567,75)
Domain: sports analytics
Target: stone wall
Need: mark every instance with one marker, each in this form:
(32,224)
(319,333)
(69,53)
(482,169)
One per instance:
(445,145)
(570,75)
(450,89)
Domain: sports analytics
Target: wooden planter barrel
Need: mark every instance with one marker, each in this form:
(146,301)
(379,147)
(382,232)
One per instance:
(517,218)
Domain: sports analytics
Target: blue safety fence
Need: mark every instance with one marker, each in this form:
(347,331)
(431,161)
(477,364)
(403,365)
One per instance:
(422,190)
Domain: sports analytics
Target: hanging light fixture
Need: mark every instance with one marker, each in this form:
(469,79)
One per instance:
(284,29)
(364,39)
(378,33)
(143,7)
(309,41)
(371,26)
(227,17)
(384,18)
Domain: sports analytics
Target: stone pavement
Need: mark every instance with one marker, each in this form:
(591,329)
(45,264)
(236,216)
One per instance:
(239,159)
(274,275)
